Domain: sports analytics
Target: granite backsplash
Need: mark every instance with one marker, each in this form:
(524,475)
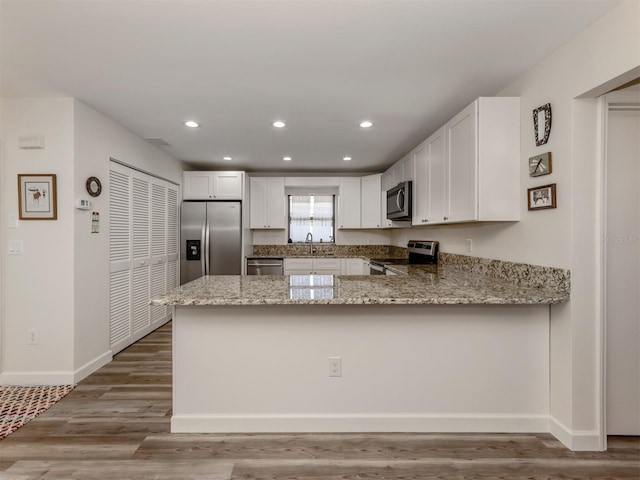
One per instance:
(518,273)
(331,249)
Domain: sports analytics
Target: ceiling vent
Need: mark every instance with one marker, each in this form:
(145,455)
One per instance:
(158,142)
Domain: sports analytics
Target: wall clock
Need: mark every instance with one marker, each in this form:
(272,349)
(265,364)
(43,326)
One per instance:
(94,186)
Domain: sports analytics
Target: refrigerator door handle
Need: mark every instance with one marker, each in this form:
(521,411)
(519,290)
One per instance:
(207,247)
(203,249)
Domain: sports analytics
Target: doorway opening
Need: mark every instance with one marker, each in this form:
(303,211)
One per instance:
(621,282)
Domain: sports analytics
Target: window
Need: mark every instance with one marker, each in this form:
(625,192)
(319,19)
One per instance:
(311,214)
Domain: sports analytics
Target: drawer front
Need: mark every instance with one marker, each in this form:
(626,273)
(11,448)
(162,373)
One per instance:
(298,263)
(327,264)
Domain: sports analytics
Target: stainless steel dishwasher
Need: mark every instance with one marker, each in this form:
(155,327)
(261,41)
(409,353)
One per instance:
(265,266)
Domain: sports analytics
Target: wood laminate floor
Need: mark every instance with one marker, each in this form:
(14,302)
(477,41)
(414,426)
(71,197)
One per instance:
(115,425)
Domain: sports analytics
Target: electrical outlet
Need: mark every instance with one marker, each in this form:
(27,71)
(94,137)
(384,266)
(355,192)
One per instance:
(335,366)
(32,338)
(469,245)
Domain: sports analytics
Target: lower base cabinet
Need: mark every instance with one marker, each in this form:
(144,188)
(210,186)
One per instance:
(354,266)
(324,266)
(312,266)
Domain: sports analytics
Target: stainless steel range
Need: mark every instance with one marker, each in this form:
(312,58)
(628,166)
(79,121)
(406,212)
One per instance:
(421,252)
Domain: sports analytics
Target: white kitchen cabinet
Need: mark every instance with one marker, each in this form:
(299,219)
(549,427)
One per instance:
(354,266)
(327,266)
(461,172)
(388,179)
(298,266)
(212,185)
(268,203)
(349,203)
(482,162)
(312,266)
(406,168)
(373,204)
(469,170)
(428,187)
(401,171)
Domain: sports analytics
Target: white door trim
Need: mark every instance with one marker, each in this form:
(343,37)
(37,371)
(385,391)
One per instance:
(607,102)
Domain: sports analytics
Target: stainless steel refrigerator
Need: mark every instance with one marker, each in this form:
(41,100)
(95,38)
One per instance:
(210,239)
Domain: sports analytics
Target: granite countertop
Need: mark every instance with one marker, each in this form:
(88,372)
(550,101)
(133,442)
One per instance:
(422,285)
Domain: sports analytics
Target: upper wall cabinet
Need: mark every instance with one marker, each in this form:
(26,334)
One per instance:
(428,189)
(268,203)
(349,203)
(373,204)
(469,170)
(401,171)
(212,185)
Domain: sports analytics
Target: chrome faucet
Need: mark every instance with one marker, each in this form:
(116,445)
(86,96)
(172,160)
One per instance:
(310,240)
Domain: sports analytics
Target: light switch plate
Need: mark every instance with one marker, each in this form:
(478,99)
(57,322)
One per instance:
(12,221)
(16,247)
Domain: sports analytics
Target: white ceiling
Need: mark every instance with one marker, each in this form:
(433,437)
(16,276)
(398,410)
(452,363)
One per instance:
(322,66)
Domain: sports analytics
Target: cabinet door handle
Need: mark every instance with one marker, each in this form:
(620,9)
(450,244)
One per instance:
(446,218)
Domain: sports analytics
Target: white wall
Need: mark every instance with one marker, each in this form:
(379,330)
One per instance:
(97,139)
(569,236)
(38,286)
(60,285)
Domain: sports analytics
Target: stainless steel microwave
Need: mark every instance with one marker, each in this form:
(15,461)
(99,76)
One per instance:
(399,202)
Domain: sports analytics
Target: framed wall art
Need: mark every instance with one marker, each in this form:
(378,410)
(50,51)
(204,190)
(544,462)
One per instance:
(37,196)
(540,165)
(542,124)
(539,198)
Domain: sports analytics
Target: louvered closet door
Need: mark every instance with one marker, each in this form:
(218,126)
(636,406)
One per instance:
(120,259)
(141,242)
(172,239)
(158,247)
(143,252)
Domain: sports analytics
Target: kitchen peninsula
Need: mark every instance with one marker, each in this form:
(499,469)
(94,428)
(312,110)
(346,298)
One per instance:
(460,347)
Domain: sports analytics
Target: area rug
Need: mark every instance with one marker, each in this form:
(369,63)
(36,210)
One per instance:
(18,405)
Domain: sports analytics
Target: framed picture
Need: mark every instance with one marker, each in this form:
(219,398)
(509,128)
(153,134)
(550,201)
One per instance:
(37,196)
(542,124)
(540,165)
(542,197)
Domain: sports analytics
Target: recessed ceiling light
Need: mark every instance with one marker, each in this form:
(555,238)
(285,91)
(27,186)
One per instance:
(278,124)
(346,159)
(366,124)
(286,159)
(191,124)
(227,158)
